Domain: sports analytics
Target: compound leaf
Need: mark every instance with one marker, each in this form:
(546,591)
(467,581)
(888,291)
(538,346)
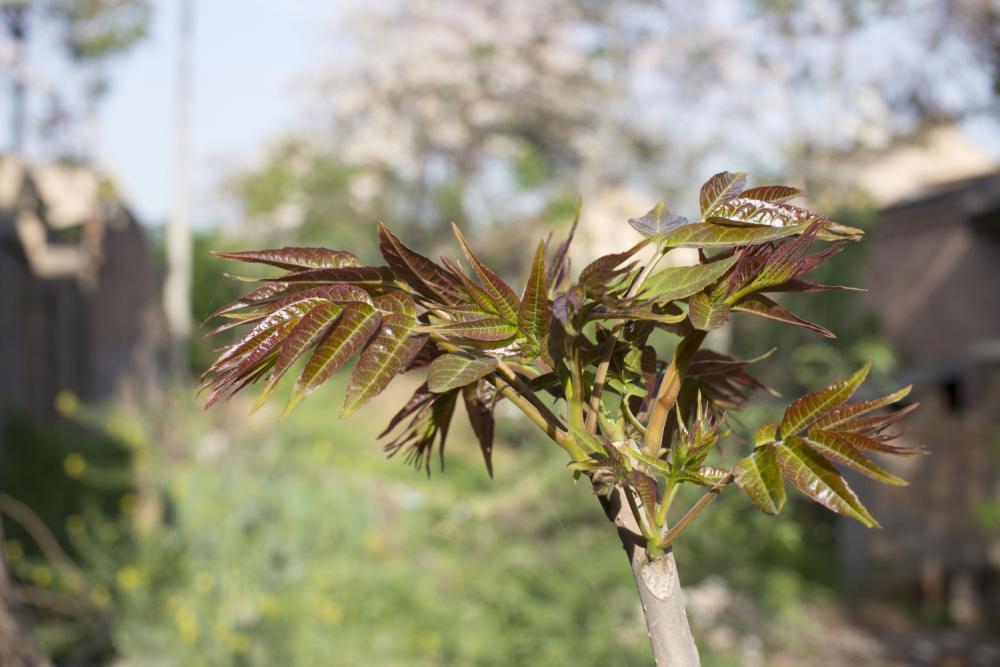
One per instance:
(811,474)
(759,477)
(457,370)
(803,412)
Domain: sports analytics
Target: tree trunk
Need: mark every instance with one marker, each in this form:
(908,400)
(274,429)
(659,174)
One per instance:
(659,591)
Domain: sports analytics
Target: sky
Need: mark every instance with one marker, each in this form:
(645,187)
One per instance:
(248,58)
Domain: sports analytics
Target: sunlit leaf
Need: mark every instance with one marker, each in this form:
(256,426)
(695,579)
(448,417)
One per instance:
(774,193)
(803,412)
(865,442)
(839,450)
(480,301)
(457,370)
(712,235)
(384,356)
(657,222)
(876,423)
(294,258)
(500,292)
(811,474)
(755,212)
(354,275)
(758,304)
(419,272)
(707,314)
(680,282)
(847,412)
(306,333)
(533,315)
(487,329)
(721,188)
(357,324)
(759,477)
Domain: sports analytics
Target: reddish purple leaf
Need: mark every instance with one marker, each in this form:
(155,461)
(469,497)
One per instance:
(294,258)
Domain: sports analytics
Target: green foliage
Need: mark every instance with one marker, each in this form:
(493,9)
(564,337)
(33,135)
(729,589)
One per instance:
(98,29)
(575,355)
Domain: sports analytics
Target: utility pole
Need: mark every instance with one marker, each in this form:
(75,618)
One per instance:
(177,288)
(15,16)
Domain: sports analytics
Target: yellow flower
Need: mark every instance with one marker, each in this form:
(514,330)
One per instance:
(239,642)
(127,503)
(203,582)
(13,550)
(129,578)
(75,524)
(74,464)
(100,596)
(331,612)
(269,606)
(41,576)
(187,624)
(322,449)
(67,403)
(373,542)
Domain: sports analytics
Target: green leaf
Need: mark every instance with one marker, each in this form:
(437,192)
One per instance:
(758,304)
(803,412)
(846,413)
(713,235)
(657,222)
(765,434)
(680,282)
(500,293)
(839,450)
(721,188)
(457,370)
(357,324)
(486,329)
(759,477)
(814,476)
(775,193)
(294,258)
(384,356)
(533,315)
(707,314)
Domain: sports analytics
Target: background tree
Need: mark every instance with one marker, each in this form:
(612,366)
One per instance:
(91,32)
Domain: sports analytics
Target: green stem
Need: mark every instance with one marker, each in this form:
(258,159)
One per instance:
(675,531)
(669,493)
(670,389)
(547,424)
(601,374)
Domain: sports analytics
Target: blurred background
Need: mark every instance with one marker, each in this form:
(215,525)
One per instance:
(138,529)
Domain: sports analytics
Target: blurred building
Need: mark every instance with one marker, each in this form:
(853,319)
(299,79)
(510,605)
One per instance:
(78,289)
(933,275)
